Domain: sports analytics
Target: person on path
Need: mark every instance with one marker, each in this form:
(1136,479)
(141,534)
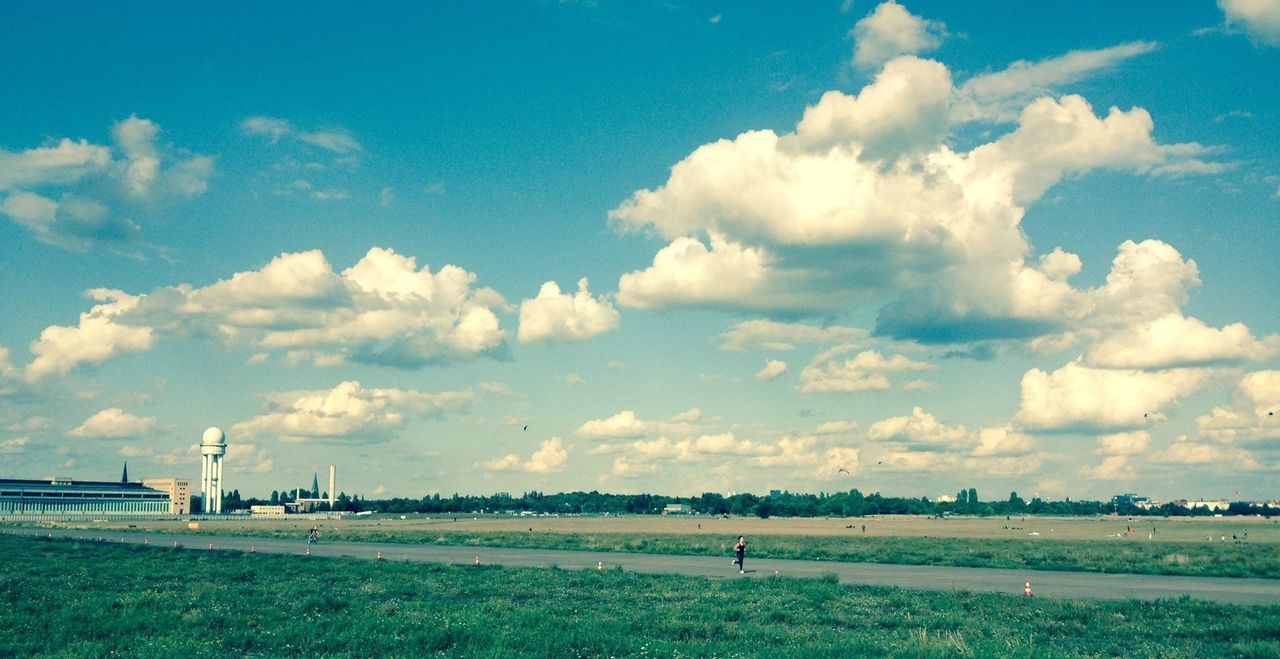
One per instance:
(740,550)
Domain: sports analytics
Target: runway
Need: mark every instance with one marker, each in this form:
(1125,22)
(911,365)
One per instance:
(1060,585)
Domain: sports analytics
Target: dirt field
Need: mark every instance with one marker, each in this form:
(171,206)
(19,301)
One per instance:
(1144,529)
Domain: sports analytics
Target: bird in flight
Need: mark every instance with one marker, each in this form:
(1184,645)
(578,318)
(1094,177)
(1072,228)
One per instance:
(842,470)
(526,427)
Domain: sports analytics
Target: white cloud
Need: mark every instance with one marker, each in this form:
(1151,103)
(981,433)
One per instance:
(687,273)
(1186,452)
(98,337)
(80,196)
(1003,441)
(1262,388)
(349,411)
(868,371)
(762,334)
(865,202)
(1255,415)
(551,456)
(919,429)
(1079,397)
(131,451)
(626,425)
(114,423)
(1124,443)
(1001,95)
(838,462)
(383,310)
(1112,468)
(248,459)
(559,317)
(688,416)
(337,140)
(890,31)
(14,446)
(791,452)
(1173,340)
(836,428)
(772,369)
(1260,19)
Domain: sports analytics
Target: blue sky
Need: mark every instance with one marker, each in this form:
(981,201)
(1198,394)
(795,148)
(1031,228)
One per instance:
(728,247)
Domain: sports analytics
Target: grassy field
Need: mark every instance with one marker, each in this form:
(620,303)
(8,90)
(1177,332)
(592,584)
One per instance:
(1195,547)
(69,599)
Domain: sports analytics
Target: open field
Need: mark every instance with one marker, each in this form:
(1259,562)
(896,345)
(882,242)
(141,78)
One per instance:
(64,598)
(1182,546)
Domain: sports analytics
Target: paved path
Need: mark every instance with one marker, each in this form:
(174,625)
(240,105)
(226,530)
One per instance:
(1071,585)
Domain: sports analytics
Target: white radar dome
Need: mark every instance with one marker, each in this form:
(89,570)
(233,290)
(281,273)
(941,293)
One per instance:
(214,436)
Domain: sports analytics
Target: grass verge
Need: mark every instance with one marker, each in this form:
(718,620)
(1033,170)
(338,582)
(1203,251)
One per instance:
(65,598)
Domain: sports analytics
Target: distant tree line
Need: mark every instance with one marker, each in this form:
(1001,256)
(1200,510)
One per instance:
(776,504)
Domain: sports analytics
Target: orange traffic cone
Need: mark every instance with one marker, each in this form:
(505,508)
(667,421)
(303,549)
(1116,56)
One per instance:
(1026,590)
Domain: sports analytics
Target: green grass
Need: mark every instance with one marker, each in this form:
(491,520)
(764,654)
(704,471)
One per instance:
(69,599)
(1178,558)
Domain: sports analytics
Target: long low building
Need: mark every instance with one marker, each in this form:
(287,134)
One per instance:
(66,498)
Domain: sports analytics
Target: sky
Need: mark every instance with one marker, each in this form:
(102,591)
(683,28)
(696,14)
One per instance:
(658,247)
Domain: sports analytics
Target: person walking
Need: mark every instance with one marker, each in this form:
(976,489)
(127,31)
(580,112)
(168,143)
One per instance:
(740,550)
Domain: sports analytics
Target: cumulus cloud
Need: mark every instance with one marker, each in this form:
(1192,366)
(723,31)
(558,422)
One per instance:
(1124,443)
(867,203)
(772,369)
(1112,468)
(559,317)
(867,371)
(764,334)
(383,310)
(245,458)
(113,423)
(1079,397)
(1174,340)
(1003,441)
(890,31)
(920,429)
(99,336)
(551,456)
(80,196)
(1254,416)
(1187,452)
(626,425)
(348,411)
(1260,19)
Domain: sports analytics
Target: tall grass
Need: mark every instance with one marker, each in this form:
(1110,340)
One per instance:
(68,599)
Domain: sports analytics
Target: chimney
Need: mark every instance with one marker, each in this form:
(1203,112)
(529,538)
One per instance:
(333,485)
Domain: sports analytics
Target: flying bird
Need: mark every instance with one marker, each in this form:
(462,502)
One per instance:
(842,470)
(526,428)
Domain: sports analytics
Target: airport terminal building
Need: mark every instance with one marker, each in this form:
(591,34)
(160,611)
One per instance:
(64,498)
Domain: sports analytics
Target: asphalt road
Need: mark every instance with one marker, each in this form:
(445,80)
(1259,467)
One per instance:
(1065,585)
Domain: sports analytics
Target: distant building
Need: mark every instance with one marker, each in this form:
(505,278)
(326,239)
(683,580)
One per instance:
(64,498)
(179,490)
(676,509)
(945,498)
(1211,505)
(1130,499)
(266,511)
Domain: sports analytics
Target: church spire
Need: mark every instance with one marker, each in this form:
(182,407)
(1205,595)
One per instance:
(124,475)
(315,486)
